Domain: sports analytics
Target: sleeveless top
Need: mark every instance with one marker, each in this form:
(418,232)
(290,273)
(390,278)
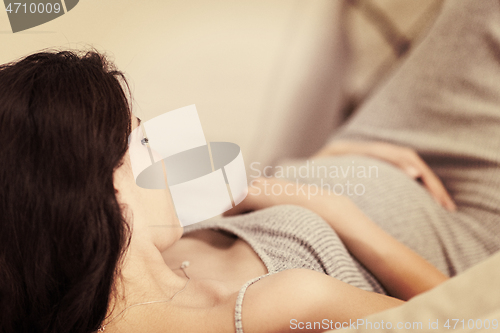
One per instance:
(287,237)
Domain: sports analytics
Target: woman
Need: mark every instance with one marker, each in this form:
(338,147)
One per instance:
(80,246)
(79,252)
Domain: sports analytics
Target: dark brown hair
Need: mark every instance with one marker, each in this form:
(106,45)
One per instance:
(64,124)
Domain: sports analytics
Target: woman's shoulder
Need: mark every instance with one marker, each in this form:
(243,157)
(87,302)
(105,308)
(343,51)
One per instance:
(275,301)
(286,300)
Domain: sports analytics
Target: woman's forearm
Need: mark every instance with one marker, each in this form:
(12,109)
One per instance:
(401,271)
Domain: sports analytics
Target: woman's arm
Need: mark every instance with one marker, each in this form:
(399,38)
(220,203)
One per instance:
(400,270)
(304,300)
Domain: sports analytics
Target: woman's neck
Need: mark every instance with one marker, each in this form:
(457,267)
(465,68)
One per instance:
(144,277)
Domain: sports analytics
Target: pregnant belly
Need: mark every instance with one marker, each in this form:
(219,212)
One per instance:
(369,182)
(393,200)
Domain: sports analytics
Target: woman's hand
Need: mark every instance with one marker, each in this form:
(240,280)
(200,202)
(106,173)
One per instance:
(402,157)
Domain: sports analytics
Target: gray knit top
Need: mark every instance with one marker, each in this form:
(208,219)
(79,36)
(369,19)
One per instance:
(286,237)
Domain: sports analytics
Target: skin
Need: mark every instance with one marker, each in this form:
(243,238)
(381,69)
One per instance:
(222,263)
